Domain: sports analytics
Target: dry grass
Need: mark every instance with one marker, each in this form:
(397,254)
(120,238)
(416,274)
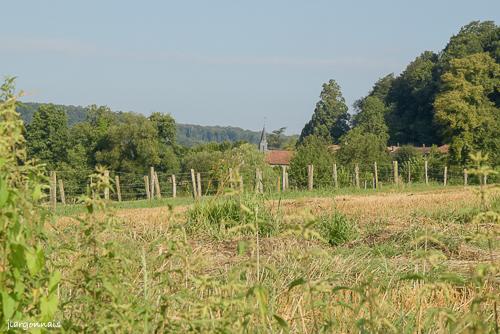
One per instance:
(371,266)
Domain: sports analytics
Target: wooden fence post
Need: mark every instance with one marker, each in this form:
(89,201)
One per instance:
(396,172)
(375,175)
(356,175)
(193,182)
(174,187)
(485,179)
(286,179)
(335,176)
(445,175)
(147,186)
(310,177)
(426,172)
(106,180)
(61,191)
(409,172)
(118,188)
(53,190)
(198,185)
(283,177)
(157,186)
(259,186)
(241,184)
(465,176)
(152,182)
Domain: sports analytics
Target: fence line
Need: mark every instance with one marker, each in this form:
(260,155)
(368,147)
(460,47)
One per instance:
(155,184)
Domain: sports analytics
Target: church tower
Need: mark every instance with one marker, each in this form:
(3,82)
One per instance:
(263,140)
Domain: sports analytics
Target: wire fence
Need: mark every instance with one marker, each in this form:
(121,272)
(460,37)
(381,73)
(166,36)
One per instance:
(132,186)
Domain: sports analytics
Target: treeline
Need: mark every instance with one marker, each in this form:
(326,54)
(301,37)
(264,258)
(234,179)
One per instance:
(128,144)
(186,134)
(451,97)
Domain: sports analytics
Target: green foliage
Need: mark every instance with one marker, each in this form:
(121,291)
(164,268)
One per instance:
(410,98)
(470,118)
(47,136)
(371,117)
(362,147)
(314,150)
(337,229)
(75,114)
(165,126)
(98,269)
(28,289)
(330,119)
(407,153)
(475,37)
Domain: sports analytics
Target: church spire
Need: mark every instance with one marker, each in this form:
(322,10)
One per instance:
(263,140)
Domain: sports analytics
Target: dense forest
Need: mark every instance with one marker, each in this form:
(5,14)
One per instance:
(451,97)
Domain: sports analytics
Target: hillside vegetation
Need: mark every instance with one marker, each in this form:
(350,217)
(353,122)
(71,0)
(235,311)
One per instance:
(186,134)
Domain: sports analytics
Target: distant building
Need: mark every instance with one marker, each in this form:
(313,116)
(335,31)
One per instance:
(279,157)
(274,157)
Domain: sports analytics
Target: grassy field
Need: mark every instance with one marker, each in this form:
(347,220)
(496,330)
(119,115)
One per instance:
(392,261)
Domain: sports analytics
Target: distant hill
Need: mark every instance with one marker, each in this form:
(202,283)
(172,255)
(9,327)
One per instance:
(76,114)
(187,134)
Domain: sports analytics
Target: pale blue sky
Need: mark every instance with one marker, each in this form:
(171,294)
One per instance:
(219,62)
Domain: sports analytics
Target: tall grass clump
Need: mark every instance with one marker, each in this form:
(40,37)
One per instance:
(336,228)
(221,215)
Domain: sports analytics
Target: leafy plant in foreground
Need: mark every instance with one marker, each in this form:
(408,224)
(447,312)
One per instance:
(28,290)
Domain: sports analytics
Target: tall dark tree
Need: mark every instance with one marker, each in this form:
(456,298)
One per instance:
(47,136)
(330,119)
(370,117)
(382,87)
(411,99)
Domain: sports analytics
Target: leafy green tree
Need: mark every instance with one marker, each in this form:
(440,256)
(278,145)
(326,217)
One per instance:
(165,125)
(470,118)
(47,136)
(314,150)
(371,117)
(475,37)
(330,119)
(130,145)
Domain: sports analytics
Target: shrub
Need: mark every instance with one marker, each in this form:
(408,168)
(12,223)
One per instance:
(314,150)
(337,229)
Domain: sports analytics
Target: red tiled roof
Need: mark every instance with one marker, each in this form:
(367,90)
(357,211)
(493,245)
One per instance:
(279,157)
(425,150)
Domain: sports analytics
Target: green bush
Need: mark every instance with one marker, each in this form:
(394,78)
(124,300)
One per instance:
(314,150)
(337,229)
(221,214)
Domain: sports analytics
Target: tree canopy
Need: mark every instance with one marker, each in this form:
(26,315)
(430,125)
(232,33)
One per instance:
(330,119)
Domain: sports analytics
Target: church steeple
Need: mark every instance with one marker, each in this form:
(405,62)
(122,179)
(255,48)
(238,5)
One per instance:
(263,140)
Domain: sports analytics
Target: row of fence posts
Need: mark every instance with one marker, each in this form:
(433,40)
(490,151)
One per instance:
(152,184)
